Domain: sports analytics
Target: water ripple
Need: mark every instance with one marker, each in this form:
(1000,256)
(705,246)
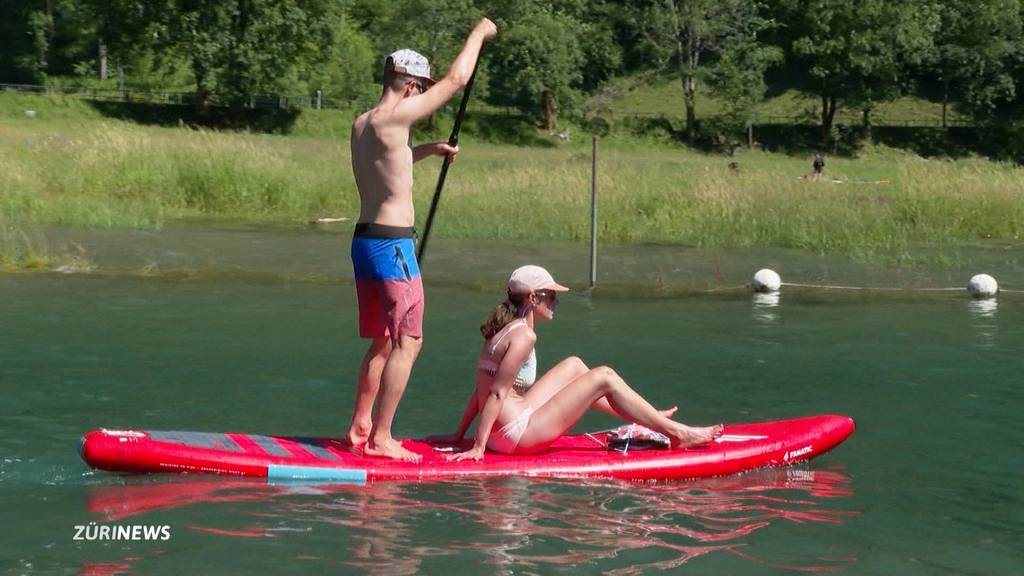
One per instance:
(507,526)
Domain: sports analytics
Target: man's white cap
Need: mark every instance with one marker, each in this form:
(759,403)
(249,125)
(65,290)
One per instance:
(409,62)
(531,278)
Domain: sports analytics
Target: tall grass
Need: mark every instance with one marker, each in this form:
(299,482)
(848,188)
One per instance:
(120,175)
(687,198)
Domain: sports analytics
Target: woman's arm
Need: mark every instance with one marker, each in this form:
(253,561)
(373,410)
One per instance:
(492,407)
(517,352)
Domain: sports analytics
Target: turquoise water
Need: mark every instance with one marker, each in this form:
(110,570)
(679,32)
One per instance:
(929,483)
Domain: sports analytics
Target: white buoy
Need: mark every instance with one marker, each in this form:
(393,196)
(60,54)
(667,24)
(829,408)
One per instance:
(30,113)
(982,286)
(766,280)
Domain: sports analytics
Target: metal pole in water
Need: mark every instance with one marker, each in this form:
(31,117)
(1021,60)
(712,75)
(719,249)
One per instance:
(593,213)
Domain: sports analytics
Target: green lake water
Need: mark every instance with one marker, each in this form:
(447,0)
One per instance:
(254,331)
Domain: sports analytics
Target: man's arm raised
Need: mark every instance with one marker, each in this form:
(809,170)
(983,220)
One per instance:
(412,110)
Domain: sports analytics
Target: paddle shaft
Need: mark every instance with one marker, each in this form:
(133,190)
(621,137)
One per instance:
(453,140)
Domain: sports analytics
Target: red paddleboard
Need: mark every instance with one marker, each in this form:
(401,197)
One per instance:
(741,447)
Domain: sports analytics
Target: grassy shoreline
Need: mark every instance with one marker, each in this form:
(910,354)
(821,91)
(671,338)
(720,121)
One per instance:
(113,174)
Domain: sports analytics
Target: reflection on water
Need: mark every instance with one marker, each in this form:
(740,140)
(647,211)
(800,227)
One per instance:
(765,306)
(983,314)
(508,525)
(107,568)
(983,308)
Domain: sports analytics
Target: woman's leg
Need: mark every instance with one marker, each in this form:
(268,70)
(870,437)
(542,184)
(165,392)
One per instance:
(554,380)
(563,374)
(564,409)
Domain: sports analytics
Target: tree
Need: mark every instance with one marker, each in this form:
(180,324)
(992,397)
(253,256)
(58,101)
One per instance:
(595,22)
(26,31)
(537,63)
(975,48)
(856,53)
(120,32)
(694,34)
(348,72)
(40,25)
(436,29)
(238,48)
(64,37)
(738,78)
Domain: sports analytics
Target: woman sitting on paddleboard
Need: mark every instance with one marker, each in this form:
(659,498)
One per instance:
(519,415)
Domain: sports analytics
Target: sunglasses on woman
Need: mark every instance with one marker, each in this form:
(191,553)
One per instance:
(549,295)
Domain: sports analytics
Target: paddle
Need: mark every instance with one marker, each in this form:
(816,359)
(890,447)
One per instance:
(453,140)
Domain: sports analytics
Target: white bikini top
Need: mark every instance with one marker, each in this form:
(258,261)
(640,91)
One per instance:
(527,372)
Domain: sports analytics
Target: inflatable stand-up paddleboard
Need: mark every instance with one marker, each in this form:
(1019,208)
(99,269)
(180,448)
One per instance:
(741,447)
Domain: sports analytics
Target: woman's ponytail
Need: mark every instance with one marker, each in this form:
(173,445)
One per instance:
(502,314)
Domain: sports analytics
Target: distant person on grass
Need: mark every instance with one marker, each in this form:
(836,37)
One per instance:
(520,414)
(388,283)
(818,166)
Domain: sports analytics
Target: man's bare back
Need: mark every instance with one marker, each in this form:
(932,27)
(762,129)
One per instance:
(382,165)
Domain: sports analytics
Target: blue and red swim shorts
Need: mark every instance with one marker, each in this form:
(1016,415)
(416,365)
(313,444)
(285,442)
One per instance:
(388,283)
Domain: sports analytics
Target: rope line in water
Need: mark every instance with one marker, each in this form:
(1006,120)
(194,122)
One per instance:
(837,287)
(728,288)
(887,288)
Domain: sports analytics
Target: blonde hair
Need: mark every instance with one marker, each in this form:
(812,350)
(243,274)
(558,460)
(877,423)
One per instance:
(502,314)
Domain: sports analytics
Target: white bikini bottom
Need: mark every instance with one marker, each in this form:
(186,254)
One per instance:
(506,439)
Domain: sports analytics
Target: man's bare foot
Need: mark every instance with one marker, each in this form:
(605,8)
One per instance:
(670,412)
(391,449)
(358,434)
(690,436)
(355,440)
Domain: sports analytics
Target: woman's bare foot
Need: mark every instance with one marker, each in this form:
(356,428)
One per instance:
(391,449)
(688,436)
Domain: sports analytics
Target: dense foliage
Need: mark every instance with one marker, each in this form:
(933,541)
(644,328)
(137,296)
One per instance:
(549,55)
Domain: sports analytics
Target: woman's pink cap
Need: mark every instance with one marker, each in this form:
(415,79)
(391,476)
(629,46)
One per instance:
(531,278)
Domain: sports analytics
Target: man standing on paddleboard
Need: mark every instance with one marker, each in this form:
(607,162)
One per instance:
(388,283)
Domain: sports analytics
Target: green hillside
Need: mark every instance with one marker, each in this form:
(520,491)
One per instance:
(649,95)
